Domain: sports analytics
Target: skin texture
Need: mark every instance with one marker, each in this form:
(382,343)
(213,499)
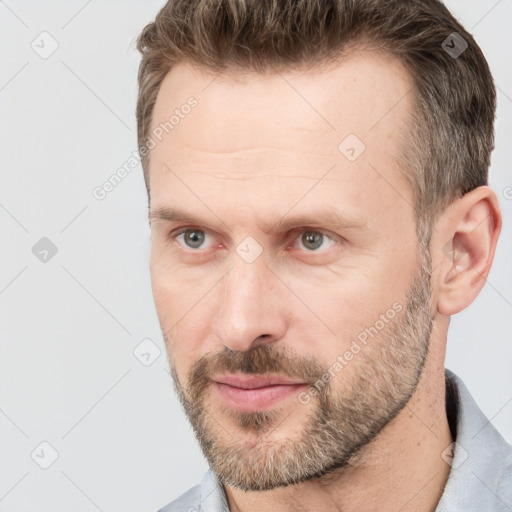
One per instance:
(261,148)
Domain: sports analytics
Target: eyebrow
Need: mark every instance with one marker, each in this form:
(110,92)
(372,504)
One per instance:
(329,217)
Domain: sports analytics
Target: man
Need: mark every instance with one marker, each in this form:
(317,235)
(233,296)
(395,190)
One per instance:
(317,183)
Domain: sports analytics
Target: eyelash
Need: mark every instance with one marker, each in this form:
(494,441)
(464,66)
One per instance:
(173,235)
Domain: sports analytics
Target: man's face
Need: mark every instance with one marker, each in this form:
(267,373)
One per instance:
(333,313)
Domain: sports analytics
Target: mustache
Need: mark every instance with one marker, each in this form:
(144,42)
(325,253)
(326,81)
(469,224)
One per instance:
(260,360)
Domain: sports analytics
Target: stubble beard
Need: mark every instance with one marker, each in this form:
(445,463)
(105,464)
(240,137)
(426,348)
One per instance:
(240,447)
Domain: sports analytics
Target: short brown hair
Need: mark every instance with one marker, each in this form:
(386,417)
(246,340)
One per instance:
(447,150)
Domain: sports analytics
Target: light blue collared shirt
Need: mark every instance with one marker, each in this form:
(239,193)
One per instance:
(480,478)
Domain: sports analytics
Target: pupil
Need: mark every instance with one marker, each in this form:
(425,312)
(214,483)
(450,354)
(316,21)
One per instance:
(312,237)
(195,237)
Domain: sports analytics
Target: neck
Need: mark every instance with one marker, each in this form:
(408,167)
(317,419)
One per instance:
(402,469)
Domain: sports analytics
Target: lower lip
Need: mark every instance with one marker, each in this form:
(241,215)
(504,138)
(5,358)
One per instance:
(259,399)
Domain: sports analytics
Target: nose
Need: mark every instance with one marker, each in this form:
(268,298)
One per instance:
(251,312)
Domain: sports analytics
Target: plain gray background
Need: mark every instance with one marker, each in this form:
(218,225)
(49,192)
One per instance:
(70,324)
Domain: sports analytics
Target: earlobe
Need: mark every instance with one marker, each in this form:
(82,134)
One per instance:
(470,228)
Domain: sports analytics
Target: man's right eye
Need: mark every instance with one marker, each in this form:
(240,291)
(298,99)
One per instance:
(192,238)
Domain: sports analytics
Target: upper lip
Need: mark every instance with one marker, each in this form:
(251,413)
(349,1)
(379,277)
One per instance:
(254,382)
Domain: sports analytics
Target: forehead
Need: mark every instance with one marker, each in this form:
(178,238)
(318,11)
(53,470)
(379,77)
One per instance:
(279,126)
(354,93)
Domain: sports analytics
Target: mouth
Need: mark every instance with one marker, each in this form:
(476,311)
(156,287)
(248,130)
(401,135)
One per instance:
(255,393)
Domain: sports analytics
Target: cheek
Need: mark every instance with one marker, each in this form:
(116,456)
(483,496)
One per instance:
(185,344)
(347,300)
(171,312)
(171,291)
(183,316)
(351,311)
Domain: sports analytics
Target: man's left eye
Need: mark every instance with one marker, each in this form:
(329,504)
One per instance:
(312,240)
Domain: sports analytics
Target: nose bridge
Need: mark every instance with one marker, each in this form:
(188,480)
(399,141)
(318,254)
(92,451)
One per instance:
(249,307)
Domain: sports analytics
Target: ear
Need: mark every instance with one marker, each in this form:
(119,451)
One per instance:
(463,245)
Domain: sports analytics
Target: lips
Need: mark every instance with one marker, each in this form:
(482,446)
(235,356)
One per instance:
(254,382)
(255,393)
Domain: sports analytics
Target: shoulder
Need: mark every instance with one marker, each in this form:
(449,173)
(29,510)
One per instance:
(185,503)
(481,472)
(504,488)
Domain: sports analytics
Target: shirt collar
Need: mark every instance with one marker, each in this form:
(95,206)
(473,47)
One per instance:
(479,456)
